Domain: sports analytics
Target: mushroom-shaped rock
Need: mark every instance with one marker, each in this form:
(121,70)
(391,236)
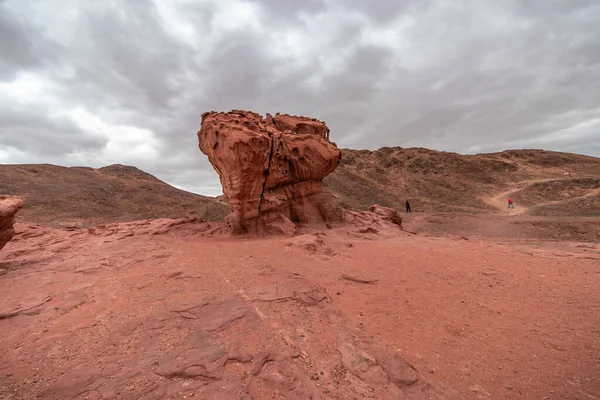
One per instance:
(270,168)
(9,205)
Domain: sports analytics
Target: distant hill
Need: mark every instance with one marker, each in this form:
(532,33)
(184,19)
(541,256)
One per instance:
(541,182)
(58,196)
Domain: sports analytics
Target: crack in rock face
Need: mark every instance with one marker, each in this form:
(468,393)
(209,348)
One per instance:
(271,169)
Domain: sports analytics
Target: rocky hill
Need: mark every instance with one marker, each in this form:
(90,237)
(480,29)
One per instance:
(59,196)
(541,182)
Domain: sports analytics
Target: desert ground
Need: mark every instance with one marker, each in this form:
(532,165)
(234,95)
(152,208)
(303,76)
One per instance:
(172,309)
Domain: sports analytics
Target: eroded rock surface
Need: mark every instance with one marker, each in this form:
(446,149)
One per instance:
(9,205)
(162,309)
(387,213)
(271,168)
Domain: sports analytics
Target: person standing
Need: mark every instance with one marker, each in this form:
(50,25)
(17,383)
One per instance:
(408,207)
(511,203)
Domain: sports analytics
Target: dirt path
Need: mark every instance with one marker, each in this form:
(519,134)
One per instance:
(500,200)
(501,203)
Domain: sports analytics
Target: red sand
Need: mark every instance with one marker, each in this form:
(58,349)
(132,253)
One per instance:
(116,314)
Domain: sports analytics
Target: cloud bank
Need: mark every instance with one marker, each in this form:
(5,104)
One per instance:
(96,83)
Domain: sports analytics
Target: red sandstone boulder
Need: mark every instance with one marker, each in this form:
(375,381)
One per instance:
(387,213)
(270,168)
(9,205)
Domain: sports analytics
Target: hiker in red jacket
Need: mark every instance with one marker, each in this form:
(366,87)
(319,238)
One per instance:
(511,204)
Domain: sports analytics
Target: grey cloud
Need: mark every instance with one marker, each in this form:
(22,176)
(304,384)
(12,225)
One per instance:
(383,11)
(366,65)
(130,44)
(238,70)
(463,76)
(16,49)
(290,10)
(29,129)
(21,46)
(121,61)
(202,14)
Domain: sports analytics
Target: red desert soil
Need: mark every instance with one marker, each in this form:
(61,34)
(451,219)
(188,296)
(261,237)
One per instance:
(163,309)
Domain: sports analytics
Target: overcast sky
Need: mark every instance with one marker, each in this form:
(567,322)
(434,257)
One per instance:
(125,81)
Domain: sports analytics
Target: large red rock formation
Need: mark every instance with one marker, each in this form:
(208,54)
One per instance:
(9,205)
(271,168)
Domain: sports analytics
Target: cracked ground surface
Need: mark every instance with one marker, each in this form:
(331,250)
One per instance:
(163,309)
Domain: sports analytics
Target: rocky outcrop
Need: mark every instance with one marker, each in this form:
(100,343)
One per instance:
(271,168)
(387,213)
(9,205)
